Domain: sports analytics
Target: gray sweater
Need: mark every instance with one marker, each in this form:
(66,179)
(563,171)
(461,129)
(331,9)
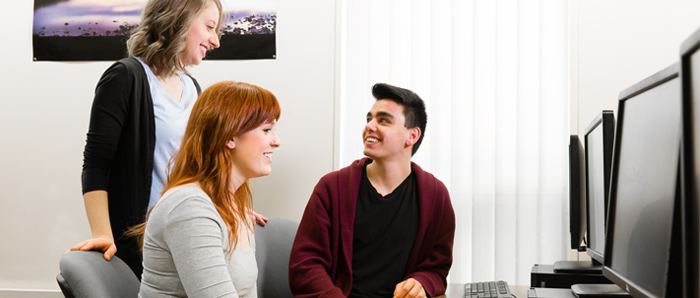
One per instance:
(186,251)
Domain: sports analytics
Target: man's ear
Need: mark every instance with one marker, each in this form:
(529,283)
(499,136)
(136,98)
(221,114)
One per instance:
(230,144)
(413,136)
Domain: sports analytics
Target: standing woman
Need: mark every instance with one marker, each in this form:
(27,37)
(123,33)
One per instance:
(138,117)
(198,240)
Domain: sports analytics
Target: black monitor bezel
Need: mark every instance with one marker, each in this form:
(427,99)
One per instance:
(667,74)
(606,118)
(690,201)
(577,192)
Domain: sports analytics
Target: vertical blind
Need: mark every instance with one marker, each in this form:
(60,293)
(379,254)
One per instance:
(494,75)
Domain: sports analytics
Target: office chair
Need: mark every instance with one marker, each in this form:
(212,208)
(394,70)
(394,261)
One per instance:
(273,244)
(88,274)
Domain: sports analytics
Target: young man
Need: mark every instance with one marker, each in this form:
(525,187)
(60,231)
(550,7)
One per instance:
(381,227)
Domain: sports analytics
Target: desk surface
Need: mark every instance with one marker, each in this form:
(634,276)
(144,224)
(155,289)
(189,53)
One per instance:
(456,290)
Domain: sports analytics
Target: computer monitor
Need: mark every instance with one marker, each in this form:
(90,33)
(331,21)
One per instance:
(577,210)
(690,169)
(598,140)
(642,251)
(577,192)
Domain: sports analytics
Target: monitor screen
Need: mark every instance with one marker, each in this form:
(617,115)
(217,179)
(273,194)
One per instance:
(644,185)
(690,74)
(577,192)
(598,141)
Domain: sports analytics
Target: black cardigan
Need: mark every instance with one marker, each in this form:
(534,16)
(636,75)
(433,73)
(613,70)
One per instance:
(118,156)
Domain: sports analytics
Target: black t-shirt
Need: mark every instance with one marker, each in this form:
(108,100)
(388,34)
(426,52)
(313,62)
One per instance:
(385,229)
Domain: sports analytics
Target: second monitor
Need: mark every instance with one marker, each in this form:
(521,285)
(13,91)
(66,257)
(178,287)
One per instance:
(589,192)
(598,140)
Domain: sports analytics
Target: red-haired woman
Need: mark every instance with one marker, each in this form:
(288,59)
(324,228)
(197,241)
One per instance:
(198,239)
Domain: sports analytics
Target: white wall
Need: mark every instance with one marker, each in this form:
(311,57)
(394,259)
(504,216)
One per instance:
(44,110)
(616,44)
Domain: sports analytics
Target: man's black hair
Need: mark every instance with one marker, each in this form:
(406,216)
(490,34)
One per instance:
(413,107)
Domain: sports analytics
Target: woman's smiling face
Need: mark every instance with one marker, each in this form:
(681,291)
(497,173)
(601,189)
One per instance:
(252,152)
(203,36)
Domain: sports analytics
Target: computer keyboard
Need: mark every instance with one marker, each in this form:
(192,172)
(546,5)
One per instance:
(487,289)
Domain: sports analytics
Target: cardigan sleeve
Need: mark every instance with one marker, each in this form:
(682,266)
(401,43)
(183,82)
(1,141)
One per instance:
(432,271)
(109,108)
(311,258)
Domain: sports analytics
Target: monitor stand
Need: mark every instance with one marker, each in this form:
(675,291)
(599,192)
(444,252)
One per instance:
(598,291)
(543,276)
(588,267)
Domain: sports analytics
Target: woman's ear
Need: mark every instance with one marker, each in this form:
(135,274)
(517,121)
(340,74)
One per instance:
(230,144)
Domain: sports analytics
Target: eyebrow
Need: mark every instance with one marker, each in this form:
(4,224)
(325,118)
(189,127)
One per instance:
(381,114)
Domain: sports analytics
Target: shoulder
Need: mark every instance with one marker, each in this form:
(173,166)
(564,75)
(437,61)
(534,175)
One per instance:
(130,65)
(129,62)
(123,72)
(423,175)
(335,186)
(183,215)
(429,181)
(185,202)
(343,175)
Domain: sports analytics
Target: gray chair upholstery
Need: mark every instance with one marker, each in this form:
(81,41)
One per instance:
(273,245)
(88,274)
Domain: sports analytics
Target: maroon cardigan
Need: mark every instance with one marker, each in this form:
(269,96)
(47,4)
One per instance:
(320,264)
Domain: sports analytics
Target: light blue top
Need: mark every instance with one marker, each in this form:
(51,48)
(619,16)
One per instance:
(171,120)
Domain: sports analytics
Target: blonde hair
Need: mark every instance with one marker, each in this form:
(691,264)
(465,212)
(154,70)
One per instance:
(162,34)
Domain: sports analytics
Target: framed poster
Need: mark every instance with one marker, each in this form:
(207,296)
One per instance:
(97,30)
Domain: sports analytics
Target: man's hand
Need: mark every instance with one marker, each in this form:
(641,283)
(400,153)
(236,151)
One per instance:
(409,288)
(102,243)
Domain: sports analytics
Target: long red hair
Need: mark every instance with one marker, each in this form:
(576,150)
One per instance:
(223,111)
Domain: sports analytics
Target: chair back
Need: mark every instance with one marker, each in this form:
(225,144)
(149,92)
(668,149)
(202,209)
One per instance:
(273,244)
(88,274)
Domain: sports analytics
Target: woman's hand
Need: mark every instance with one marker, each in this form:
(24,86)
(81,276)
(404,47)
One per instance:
(97,209)
(101,243)
(258,217)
